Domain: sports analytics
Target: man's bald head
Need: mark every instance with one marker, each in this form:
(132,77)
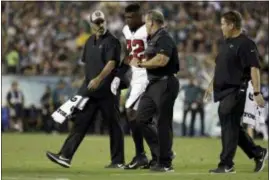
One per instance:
(154,20)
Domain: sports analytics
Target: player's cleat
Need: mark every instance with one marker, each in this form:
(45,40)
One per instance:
(58,159)
(222,169)
(137,162)
(115,166)
(259,162)
(161,168)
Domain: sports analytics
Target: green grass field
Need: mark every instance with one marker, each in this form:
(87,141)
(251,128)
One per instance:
(23,158)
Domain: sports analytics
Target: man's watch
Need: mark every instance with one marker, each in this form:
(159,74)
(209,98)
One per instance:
(256,93)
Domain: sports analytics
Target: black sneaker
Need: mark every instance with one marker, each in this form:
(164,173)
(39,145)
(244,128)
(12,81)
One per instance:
(222,169)
(58,159)
(137,162)
(259,162)
(161,168)
(150,164)
(115,166)
(153,162)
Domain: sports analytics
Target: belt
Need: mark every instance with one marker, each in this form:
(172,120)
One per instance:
(166,77)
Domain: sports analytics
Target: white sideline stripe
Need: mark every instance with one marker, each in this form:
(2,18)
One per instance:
(30,178)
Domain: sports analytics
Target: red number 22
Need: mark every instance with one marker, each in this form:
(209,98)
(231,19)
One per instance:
(136,48)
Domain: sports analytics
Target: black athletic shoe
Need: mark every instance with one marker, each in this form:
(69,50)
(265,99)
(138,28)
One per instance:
(137,162)
(58,159)
(161,168)
(222,169)
(259,162)
(150,164)
(115,166)
(153,162)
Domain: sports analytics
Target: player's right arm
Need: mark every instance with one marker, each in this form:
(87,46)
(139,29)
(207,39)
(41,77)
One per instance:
(120,71)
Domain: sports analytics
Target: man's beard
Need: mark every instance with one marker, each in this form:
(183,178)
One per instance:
(104,28)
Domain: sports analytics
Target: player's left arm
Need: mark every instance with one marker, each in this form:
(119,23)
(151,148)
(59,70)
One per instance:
(165,48)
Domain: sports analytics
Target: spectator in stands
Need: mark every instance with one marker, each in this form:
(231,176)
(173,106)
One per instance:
(15,100)
(193,103)
(12,60)
(191,24)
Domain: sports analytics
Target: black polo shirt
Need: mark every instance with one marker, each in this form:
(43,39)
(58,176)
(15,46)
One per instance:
(161,42)
(233,63)
(97,53)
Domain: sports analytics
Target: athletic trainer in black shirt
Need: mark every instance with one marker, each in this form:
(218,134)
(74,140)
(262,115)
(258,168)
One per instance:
(101,55)
(161,64)
(233,65)
(236,63)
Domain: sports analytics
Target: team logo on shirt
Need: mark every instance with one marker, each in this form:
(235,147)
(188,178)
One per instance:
(98,14)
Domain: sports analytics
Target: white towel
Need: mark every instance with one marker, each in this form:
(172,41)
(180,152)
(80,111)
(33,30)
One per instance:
(253,114)
(115,85)
(62,113)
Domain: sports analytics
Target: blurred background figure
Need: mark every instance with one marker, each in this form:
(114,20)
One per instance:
(5,118)
(33,121)
(58,94)
(12,60)
(193,103)
(47,110)
(15,99)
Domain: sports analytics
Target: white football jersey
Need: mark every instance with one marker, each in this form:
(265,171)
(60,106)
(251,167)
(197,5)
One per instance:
(136,43)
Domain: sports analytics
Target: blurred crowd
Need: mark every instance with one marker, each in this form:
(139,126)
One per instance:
(47,38)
